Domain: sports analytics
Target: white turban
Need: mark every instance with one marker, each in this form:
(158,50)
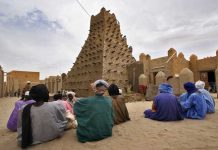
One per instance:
(27,93)
(120,91)
(101,81)
(199,84)
(100,90)
(72,93)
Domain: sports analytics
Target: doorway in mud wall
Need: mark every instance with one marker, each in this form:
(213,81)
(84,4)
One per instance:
(209,78)
(154,75)
(212,81)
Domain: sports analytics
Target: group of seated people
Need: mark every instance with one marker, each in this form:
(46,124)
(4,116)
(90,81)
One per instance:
(37,121)
(195,103)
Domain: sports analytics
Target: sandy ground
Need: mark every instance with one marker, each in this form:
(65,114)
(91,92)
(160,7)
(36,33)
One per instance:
(137,134)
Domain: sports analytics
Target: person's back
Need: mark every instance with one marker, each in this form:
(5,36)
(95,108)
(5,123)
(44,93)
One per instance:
(195,106)
(165,106)
(193,103)
(119,106)
(209,100)
(58,97)
(12,121)
(206,95)
(168,108)
(120,110)
(95,118)
(41,121)
(48,121)
(94,115)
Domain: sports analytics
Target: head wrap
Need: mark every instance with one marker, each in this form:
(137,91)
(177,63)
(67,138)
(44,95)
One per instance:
(113,90)
(190,87)
(199,84)
(39,93)
(72,93)
(165,88)
(57,97)
(100,86)
(120,91)
(101,82)
(27,93)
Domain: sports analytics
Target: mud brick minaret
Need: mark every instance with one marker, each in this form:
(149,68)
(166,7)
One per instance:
(104,55)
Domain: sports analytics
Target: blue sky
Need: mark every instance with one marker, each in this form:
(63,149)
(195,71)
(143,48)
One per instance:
(47,36)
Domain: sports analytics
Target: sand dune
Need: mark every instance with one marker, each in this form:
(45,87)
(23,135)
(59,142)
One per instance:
(137,134)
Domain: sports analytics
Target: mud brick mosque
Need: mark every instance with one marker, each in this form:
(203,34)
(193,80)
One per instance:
(106,55)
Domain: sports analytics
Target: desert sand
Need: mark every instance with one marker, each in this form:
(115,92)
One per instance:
(138,134)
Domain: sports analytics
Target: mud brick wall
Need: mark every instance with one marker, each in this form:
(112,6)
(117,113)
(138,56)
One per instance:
(1,82)
(104,55)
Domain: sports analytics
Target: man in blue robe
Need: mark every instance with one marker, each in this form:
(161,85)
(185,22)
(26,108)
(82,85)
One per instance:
(94,115)
(208,98)
(165,105)
(193,103)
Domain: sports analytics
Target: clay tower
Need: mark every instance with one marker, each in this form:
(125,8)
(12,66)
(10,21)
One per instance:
(104,55)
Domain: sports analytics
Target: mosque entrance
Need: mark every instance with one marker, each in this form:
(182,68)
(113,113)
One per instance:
(209,78)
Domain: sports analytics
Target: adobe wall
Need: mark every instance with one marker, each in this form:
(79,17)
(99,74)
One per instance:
(88,65)
(104,55)
(116,55)
(171,64)
(5,89)
(134,71)
(178,63)
(207,64)
(175,63)
(201,65)
(157,65)
(146,60)
(17,80)
(1,82)
(54,84)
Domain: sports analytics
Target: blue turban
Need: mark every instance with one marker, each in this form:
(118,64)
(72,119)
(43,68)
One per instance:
(165,88)
(190,87)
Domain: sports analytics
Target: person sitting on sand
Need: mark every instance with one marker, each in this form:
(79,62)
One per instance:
(119,106)
(68,107)
(72,123)
(71,98)
(193,103)
(208,98)
(165,106)
(41,121)
(12,122)
(94,115)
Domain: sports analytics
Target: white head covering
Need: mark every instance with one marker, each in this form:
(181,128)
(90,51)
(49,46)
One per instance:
(120,91)
(72,93)
(199,84)
(100,90)
(27,93)
(28,82)
(101,81)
